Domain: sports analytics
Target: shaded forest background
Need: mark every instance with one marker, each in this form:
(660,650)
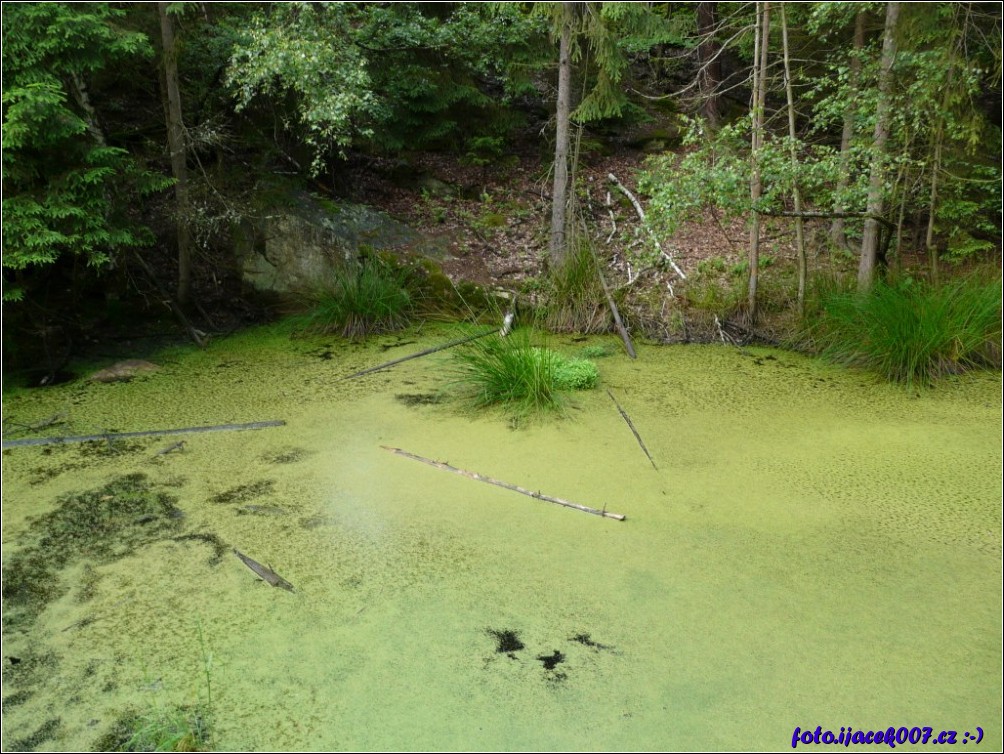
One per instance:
(731,159)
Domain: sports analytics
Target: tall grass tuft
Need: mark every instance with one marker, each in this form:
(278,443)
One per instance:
(575,301)
(362,299)
(912,332)
(521,378)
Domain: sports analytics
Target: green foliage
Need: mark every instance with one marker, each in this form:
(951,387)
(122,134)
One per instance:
(384,75)
(305,50)
(521,378)
(912,332)
(363,299)
(66,192)
(575,374)
(605,38)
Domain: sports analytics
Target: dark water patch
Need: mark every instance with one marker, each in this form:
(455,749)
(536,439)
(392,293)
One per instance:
(552,661)
(419,399)
(587,641)
(260,510)
(387,346)
(28,667)
(101,525)
(220,548)
(43,733)
(286,455)
(78,457)
(88,584)
(15,700)
(315,522)
(243,492)
(507,641)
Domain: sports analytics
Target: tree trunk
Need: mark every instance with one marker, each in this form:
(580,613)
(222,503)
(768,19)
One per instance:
(869,241)
(837,233)
(559,196)
(176,143)
(709,62)
(796,194)
(756,187)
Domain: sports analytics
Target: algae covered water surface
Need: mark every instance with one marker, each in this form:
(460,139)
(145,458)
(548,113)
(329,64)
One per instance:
(813,549)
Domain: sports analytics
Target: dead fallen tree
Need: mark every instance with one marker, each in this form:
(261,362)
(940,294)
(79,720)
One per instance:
(515,488)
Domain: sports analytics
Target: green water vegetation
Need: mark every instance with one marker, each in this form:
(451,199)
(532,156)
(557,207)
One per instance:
(161,728)
(914,332)
(522,378)
(365,298)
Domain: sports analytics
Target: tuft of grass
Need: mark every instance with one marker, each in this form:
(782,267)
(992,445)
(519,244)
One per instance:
(521,378)
(913,332)
(575,297)
(172,729)
(363,299)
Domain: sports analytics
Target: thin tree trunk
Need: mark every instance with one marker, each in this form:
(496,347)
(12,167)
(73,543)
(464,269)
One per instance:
(176,143)
(932,251)
(756,187)
(838,234)
(559,195)
(869,241)
(797,196)
(709,62)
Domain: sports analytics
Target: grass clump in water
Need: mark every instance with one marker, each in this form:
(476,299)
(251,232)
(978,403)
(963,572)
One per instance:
(522,378)
(913,332)
(363,299)
(159,729)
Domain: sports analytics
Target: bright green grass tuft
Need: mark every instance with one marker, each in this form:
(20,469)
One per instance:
(521,378)
(363,299)
(912,332)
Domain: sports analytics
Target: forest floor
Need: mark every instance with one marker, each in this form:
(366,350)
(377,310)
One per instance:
(494,221)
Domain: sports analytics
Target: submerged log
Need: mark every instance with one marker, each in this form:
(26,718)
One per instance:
(515,488)
(109,436)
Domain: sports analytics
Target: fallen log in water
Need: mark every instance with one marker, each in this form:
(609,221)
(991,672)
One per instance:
(633,430)
(426,352)
(515,488)
(108,436)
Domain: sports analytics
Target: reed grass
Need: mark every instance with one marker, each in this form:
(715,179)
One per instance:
(913,332)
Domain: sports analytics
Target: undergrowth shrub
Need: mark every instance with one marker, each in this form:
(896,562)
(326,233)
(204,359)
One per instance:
(575,300)
(913,332)
(363,299)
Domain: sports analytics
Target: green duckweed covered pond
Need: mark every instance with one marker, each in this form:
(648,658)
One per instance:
(815,548)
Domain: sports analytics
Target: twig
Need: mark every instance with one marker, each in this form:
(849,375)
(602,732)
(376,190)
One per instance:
(641,214)
(426,352)
(633,430)
(515,488)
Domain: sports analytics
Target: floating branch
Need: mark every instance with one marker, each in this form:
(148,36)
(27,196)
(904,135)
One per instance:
(108,436)
(522,490)
(426,352)
(266,573)
(633,430)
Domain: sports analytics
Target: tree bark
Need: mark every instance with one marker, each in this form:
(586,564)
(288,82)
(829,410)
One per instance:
(756,187)
(870,239)
(796,194)
(709,62)
(176,143)
(559,195)
(838,234)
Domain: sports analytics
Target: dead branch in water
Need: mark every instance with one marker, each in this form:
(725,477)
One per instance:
(633,430)
(426,352)
(515,488)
